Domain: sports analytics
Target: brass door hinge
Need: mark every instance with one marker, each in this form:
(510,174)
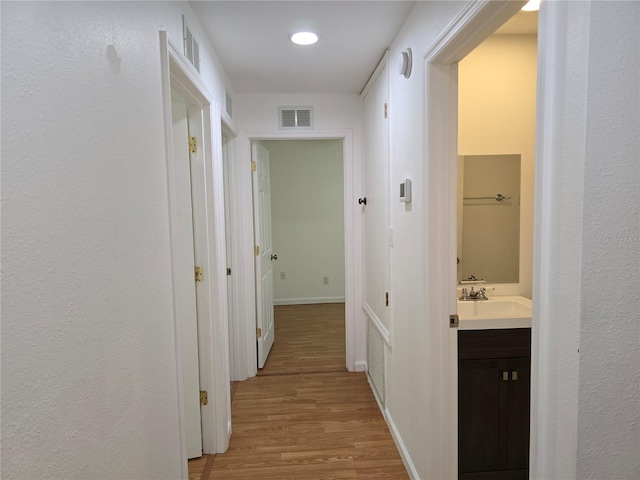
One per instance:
(204,397)
(386,110)
(193,146)
(256,250)
(254,166)
(386,299)
(258,333)
(228,271)
(198,273)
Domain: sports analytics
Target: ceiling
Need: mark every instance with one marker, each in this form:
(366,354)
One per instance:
(252,40)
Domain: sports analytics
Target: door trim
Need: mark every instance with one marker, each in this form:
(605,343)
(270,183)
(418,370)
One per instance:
(246,359)
(471,27)
(209,244)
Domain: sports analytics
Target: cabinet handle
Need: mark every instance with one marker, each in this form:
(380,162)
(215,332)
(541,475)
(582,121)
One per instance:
(505,376)
(514,375)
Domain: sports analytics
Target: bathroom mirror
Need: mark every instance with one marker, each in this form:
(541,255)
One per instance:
(489,218)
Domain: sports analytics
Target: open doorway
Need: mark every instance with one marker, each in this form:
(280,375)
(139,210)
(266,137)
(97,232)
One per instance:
(304,255)
(194,179)
(496,156)
(441,68)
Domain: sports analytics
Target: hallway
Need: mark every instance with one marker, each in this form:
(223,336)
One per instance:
(306,418)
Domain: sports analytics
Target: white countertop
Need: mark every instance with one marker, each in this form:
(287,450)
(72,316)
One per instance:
(509,311)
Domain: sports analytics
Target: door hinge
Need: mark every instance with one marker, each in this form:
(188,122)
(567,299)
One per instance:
(256,250)
(386,299)
(198,273)
(254,166)
(204,397)
(258,333)
(454,321)
(386,110)
(193,146)
(228,271)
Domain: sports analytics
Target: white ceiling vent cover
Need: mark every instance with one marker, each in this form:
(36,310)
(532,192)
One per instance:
(295,117)
(191,45)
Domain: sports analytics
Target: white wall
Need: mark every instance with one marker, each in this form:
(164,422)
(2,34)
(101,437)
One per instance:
(586,379)
(89,377)
(497,114)
(407,388)
(307,212)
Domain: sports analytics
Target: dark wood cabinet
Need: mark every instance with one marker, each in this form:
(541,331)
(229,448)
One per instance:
(494,385)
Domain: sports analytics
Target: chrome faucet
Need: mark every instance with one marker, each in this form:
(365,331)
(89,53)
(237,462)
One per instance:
(473,295)
(479,295)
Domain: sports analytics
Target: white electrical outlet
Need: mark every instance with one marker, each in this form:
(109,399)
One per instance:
(325,280)
(283,275)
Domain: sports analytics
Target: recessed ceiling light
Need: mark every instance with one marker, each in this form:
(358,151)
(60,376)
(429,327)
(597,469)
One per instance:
(304,38)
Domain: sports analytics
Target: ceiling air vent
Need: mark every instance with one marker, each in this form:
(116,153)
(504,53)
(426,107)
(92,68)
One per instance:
(191,45)
(295,117)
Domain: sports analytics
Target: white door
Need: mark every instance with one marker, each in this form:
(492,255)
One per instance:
(186,309)
(264,252)
(376,211)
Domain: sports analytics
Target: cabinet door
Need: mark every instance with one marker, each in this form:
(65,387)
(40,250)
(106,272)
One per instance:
(482,415)
(519,406)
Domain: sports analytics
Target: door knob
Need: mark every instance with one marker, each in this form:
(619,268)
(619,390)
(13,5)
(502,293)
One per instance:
(274,257)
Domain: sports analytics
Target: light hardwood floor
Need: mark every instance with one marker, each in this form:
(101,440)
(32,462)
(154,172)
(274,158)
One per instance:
(321,425)
(308,338)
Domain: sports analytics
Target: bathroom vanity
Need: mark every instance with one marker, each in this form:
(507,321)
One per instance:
(494,365)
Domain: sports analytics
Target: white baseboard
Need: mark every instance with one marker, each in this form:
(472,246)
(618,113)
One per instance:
(307,301)
(402,449)
(404,454)
(376,396)
(360,366)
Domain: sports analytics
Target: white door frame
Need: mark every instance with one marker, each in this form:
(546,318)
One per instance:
(209,245)
(233,256)
(245,342)
(473,25)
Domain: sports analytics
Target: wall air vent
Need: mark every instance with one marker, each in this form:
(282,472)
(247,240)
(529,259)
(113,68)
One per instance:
(295,117)
(191,45)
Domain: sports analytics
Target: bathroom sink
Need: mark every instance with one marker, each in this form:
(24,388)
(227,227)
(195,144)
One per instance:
(497,312)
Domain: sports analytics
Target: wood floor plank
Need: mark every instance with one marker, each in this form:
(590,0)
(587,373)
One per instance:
(308,426)
(308,338)
(291,424)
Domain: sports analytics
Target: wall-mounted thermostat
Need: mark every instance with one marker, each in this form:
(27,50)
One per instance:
(405,190)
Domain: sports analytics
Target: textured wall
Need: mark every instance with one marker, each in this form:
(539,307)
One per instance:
(88,350)
(609,388)
(585,370)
